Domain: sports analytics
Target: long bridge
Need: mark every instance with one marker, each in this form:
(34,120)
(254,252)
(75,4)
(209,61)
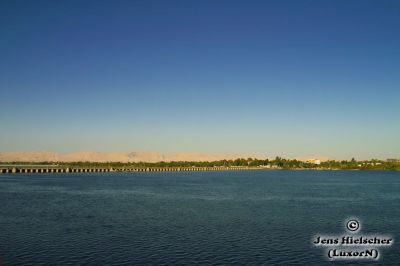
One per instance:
(30,169)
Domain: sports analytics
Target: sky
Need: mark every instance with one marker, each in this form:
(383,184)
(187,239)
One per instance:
(287,78)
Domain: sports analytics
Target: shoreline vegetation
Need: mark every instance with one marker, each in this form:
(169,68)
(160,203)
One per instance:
(240,163)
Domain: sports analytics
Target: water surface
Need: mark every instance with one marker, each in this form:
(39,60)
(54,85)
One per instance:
(191,218)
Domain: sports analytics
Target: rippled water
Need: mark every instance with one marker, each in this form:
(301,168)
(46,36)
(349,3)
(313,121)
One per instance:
(218,218)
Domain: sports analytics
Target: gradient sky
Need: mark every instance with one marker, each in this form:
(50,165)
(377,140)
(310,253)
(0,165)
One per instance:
(288,78)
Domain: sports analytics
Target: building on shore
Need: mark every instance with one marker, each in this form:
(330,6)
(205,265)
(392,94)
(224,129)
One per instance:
(314,161)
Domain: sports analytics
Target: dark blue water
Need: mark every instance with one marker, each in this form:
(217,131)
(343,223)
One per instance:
(207,218)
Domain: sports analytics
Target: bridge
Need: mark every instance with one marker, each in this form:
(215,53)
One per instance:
(35,169)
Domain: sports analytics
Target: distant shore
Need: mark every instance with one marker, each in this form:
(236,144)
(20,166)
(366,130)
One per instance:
(57,169)
(221,165)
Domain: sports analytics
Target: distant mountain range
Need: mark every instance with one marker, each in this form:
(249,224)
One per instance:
(94,156)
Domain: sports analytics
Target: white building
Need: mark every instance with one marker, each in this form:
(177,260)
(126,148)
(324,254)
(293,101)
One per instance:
(314,161)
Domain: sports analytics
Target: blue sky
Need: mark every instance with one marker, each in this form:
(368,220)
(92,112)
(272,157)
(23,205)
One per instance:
(288,78)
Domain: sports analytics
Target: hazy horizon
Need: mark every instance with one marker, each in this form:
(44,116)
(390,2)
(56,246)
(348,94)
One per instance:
(280,78)
(154,156)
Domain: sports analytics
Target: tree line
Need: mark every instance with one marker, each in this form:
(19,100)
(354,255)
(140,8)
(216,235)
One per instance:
(278,162)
